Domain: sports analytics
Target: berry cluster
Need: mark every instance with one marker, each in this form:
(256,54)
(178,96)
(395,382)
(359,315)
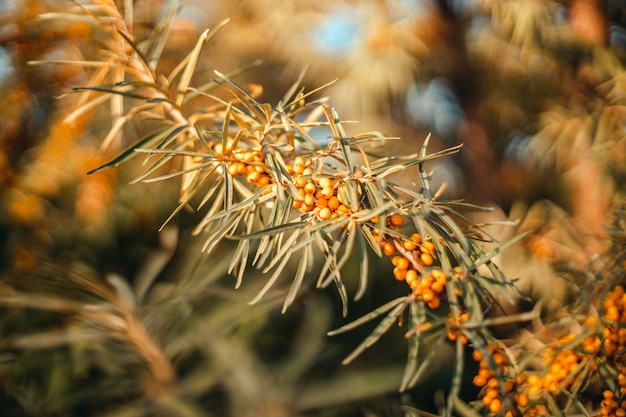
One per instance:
(250,163)
(610,406)
(414,252)
(455,327)
(317,195)
(486,378)
(614,307)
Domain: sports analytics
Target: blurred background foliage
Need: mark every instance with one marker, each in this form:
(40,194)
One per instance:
(103,315)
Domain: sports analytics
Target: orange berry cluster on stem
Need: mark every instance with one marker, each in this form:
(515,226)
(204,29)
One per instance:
(560,364)
(613,404)
(486,378)
(427,288)
(610,406)
(455,330)
(250,163)
(614,310)
(318,195)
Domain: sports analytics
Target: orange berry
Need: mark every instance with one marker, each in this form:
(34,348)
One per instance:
(409,245)
(307,171)
(309,200)
(521,399)
(479,381)
(477,355)
(327,192)
(310,188)
(452,334)
(496,405)
(252,177)
(427,259)
(400,274)
(322,202)
(439,276)
(411,276)
(437,287)
(325,182)
(241,168)
(333,203)
(608,394)
(402,263)
(300,182)
(396,220)
(427,295)
(297,204)
(232,169)
(325,213)
(434,303)
(416,237)
(263,181)
(499,358)
(428,247)
(389,249)
(426,282)
(492,390)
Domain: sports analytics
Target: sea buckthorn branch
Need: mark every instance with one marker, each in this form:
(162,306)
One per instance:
(263,179)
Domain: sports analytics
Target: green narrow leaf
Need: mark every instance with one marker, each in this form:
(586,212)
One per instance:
(186,201)
(369,316)
(363,265)
(243,264)
(272,230)
(129,152)
(228,191)
(371,240)
(139,52)
(415,316)
(297,281)
(279,269)
(427,360)
(330,263)
(376,334)
(489,256)
(158,37)
(457,376)
(191,62)
(107,90)
(347,154)
(286,248)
